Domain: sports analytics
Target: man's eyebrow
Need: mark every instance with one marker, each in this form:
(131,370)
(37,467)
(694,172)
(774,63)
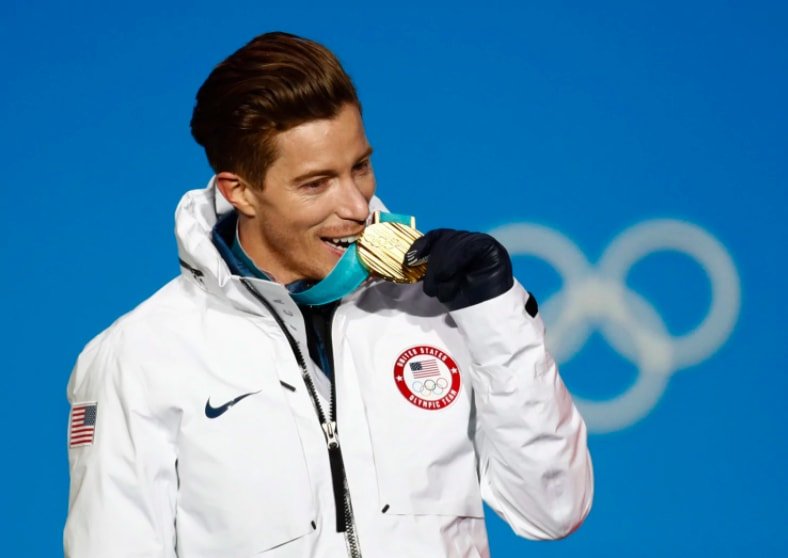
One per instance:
(312,174)
(367,154)
(328,172)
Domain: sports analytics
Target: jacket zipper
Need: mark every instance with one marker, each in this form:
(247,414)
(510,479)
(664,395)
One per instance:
(345,522)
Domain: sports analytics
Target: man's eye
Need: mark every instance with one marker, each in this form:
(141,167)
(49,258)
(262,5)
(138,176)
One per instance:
(315,184)
(362,166)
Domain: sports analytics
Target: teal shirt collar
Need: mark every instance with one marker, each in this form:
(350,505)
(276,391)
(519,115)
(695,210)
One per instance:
(239,252)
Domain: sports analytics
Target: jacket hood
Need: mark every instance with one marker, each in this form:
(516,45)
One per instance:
(196,215)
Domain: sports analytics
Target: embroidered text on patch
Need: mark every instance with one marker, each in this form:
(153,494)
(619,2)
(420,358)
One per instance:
(82,425)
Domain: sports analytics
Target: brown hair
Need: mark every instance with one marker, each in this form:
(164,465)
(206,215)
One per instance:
(275,82)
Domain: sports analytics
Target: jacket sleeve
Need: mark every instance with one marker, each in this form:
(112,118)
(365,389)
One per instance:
(123,484)
(534,466)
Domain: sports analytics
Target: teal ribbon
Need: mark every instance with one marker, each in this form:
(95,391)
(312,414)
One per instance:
(347,275)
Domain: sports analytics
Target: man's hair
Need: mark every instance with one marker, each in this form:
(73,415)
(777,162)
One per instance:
(274,83)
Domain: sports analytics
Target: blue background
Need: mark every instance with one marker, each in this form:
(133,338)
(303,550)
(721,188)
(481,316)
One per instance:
(586,117)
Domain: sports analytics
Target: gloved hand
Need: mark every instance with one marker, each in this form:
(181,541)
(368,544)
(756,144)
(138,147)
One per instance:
(464,268)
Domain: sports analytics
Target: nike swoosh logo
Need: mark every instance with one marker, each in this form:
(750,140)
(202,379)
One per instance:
(213,412)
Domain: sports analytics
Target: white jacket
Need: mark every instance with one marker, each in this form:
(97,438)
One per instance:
(162,479)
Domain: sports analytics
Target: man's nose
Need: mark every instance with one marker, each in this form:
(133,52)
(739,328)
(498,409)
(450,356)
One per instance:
(353,204)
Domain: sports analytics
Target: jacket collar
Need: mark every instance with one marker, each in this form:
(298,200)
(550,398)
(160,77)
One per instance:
(195,218)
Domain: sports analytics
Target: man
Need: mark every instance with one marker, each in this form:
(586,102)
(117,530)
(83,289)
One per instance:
(258,405)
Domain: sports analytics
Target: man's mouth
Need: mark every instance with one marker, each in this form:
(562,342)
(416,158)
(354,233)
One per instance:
(341,243)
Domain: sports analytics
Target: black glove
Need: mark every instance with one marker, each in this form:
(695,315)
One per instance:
(464,268)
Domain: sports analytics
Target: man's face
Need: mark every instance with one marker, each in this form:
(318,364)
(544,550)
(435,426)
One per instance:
(315,199)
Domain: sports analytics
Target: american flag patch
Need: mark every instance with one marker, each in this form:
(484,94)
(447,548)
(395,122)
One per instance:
(425,368)
(82,425)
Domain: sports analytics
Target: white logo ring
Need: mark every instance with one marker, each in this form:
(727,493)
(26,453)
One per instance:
(598,299)
(652,236)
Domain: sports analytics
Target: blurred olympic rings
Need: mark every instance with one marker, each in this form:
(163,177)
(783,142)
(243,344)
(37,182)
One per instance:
(597,298)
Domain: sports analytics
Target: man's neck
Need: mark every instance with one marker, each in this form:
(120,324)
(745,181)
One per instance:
(257,254)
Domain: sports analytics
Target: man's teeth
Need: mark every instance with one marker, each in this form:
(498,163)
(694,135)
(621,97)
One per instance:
(343,242)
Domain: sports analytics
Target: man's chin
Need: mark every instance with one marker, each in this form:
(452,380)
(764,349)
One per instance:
(317,275)
(318,267)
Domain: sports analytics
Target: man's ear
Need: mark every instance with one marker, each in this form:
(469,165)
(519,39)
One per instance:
(238,192)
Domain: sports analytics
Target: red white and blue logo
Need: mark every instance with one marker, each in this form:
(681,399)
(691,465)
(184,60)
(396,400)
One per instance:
(427,377)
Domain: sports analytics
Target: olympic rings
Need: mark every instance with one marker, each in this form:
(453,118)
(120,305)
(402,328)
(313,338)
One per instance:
(430,387)
(597,298)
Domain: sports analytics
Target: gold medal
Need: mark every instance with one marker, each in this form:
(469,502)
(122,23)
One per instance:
(382,248)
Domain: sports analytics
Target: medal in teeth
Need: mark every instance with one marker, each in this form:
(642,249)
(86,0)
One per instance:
(382,248)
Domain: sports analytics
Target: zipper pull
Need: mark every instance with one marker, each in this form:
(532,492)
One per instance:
(338,475)
(330,432)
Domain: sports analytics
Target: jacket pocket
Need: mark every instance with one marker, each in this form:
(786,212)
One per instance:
(424,454)
(244,483)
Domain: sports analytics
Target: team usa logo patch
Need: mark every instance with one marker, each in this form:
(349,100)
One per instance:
(427,377)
